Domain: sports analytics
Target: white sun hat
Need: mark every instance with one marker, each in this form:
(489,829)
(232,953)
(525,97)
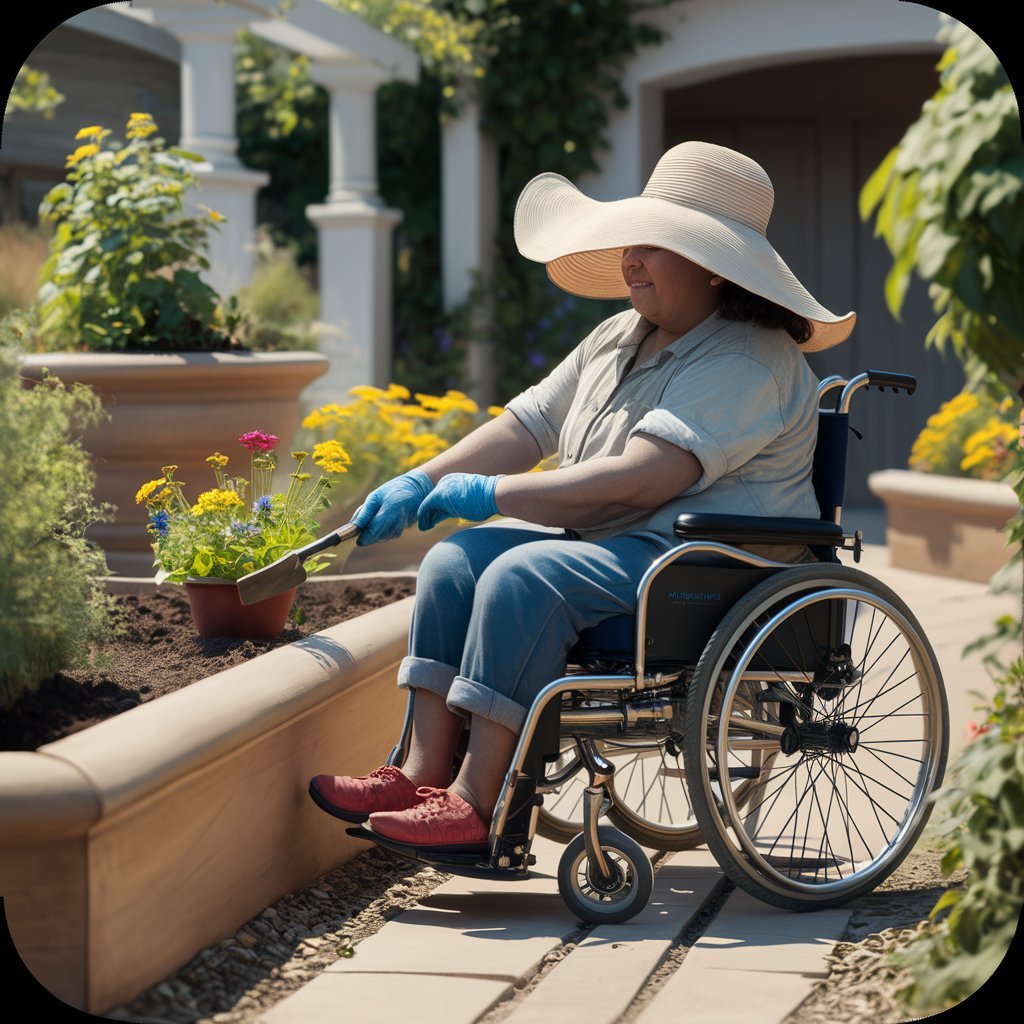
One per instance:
(704,202)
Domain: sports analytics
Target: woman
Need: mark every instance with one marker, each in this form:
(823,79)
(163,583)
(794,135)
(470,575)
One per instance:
(696,399)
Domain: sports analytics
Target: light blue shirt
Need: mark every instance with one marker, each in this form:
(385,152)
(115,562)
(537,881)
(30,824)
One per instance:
(740,397)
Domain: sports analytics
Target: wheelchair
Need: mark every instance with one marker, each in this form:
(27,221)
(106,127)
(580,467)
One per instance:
(790,716)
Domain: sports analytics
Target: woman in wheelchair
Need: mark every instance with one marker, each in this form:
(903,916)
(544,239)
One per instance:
(697,398)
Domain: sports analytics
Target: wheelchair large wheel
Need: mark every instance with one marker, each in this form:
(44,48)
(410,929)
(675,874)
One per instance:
(606,901)
(820,688)
(649,798)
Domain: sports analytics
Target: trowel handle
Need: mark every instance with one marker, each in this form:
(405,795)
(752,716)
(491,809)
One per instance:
(333,539)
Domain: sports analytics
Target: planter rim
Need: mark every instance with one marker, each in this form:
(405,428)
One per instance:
(912,484)
(130,757)
(171,359)
(251,375)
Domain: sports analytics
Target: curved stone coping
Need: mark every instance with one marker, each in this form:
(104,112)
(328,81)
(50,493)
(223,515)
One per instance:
(926,488)
(44,796)
(126,758)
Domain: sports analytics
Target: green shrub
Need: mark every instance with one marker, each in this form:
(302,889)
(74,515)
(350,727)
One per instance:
(53,605)
(125,261)
(983,811)
(280,305)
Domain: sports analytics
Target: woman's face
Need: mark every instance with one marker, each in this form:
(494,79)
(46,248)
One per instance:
(669,290)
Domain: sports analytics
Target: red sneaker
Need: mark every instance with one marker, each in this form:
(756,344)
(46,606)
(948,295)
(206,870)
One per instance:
(441,818)
(355,798)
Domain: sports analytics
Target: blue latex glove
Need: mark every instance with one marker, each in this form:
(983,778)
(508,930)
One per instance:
(468,496)
(392,507)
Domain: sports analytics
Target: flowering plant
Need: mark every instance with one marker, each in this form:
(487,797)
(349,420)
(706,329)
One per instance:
(970,435)
(387,433)
(238,526)
(125,260)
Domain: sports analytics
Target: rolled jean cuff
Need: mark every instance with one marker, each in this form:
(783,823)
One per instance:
(426,674)
(467,695)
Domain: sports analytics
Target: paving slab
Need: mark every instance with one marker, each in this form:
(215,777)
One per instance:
(371,999)
(748,935)
(599,979)
(725,997)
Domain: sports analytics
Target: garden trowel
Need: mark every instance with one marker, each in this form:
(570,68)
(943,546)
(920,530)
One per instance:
(288,571)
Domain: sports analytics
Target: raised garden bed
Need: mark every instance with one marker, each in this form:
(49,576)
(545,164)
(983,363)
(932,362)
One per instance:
(128,845)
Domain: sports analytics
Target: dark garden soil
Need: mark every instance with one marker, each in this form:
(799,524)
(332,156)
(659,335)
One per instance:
(159,652)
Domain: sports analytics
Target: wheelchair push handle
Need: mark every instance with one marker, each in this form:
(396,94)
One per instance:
(883,379)
(880,379)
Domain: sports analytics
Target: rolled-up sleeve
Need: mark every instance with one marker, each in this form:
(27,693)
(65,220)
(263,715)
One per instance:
(542,409)
(724,410)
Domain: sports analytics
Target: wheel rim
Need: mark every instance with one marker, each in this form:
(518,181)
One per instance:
(648,788)
(586,883)
(836,796)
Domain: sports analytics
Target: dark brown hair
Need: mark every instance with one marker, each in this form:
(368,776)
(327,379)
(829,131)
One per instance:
(736,303)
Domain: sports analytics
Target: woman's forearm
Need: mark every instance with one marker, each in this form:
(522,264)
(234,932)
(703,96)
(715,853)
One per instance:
(501,445)
(647,474)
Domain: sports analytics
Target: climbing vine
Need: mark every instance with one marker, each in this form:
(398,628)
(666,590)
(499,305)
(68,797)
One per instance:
(545,76)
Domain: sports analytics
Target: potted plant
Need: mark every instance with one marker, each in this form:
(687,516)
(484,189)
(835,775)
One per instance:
(237,527)
(946,514)
(123,307)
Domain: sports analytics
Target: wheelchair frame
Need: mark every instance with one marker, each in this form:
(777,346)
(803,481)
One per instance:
(605,875)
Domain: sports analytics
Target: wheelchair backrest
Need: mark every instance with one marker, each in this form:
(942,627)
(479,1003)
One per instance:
(828,473)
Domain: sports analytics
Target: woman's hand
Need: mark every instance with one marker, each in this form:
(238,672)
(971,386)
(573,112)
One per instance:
(392,507)
(468,496)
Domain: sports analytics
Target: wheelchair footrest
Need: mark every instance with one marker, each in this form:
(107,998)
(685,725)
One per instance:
(464,859)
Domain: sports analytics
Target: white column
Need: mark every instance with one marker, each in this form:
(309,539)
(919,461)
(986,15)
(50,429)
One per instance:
(207,35)
(355,238)
(469,224)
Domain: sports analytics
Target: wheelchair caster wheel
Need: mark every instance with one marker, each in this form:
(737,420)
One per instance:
(595,899)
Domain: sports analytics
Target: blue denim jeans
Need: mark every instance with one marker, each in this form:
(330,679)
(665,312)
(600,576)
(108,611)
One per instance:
(499,607)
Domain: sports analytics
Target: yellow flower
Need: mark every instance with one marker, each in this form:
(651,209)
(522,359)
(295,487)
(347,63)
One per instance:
(216,501)
(139,126)
(218,460)
(151,492)
(331,456)
(368,392)
(82,152)
(397,391)
(300,455)
(88,133)
(495,410)
(216,217)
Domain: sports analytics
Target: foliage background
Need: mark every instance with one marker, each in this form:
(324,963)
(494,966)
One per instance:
(513,57)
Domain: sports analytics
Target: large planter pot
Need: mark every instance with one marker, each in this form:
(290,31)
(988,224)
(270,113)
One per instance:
(174,409)
(950,526)
(128,847)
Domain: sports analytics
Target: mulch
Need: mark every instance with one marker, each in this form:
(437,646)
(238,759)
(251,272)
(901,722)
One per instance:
(159,652)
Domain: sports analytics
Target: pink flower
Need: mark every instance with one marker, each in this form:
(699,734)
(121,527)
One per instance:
(258,441)
(974,730)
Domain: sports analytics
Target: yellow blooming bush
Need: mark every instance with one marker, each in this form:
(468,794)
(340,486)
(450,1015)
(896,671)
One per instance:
(125,258)
(388,431)
(970,435)
(238,526)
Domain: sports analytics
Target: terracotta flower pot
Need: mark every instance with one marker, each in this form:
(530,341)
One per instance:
(217,610)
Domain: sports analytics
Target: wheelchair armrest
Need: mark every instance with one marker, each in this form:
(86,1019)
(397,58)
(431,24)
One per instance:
(730,529)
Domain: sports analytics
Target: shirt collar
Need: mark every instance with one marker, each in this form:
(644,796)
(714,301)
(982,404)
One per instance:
(683,345)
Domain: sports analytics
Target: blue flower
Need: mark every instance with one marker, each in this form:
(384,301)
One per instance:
(263,506)
(160,522)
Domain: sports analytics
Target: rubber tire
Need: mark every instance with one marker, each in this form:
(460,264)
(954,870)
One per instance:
(640,888)
(724,638)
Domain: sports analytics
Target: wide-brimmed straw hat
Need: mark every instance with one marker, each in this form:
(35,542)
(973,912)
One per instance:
(705,202)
